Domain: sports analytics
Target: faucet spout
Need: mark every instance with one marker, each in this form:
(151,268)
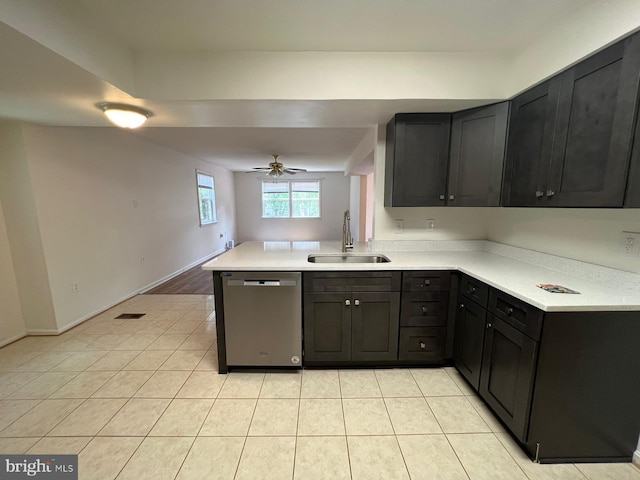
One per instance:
(347,239)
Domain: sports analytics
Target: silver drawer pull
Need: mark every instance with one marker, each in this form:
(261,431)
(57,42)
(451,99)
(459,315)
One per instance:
(550,193)
(422,346)
(539,193)
(424,310)
(356,302)
(509,311)
(347,302)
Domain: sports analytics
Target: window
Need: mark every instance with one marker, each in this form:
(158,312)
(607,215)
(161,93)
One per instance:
(206,198)
(291,199)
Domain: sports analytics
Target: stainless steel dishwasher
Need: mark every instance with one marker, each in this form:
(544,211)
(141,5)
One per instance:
(263,318)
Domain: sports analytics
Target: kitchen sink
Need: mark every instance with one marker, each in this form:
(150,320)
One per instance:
(347,258)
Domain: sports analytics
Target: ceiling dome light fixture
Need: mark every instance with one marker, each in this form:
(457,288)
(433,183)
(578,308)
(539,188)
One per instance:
(124,116)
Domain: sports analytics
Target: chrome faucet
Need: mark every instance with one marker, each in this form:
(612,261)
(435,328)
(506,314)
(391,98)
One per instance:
(347,240)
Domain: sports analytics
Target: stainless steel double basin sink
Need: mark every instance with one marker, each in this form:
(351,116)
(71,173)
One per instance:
(347,258)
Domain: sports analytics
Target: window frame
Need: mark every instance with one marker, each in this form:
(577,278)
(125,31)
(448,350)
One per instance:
(203,222)
(289,183)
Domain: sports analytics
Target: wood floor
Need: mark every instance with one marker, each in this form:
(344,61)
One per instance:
(193,281)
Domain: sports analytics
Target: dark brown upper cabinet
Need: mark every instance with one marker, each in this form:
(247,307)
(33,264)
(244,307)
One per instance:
(477,156)
(533,116)
(444,159)
(417,155)
(570,138)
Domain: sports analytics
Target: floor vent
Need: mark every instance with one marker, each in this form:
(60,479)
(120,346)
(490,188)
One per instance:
(129,316)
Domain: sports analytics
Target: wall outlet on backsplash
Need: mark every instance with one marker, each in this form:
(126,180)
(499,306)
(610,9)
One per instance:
(629,244)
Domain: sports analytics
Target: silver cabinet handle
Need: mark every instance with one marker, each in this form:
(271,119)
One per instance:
(550,193)
(452,197)
(489,325)
(424,310)
(539,193)
(441,197)
(422,346)
(461,306)
(347,302)
(356,302)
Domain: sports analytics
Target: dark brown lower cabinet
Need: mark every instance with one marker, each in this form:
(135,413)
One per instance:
(353,326)
(374,326)
(422,344)
(508,371)
(563,383)
(469,340)
(327,327)
(586,395)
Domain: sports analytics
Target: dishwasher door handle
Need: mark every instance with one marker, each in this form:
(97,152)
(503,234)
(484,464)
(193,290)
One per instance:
(262,283)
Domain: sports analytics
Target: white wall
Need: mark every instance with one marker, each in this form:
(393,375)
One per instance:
(354,207)
(584,31)
(86,185)
(591,235)
(23,231)
(251,225)
(11,324)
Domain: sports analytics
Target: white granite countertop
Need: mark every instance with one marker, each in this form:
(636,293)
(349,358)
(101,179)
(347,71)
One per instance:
(510,275)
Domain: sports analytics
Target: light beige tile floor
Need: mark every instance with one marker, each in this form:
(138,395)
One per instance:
(142,399)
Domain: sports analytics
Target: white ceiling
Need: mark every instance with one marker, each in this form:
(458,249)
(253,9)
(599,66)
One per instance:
(41,86)
(326,25)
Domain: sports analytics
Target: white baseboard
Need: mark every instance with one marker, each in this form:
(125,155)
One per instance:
(43,331)
(153,285)
(7,341)
(636,458)
(104,308)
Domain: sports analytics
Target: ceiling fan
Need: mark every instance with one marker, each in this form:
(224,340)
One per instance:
(277,169)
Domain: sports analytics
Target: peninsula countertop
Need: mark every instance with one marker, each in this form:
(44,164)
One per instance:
(517,278)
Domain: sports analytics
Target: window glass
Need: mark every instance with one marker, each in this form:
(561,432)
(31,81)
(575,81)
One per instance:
(300,199)
(206,198)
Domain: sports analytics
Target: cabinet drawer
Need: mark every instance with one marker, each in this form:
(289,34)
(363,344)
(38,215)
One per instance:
(474,290)
(424,309)
(422,343)
(386,281)
(420,281)
(522,316)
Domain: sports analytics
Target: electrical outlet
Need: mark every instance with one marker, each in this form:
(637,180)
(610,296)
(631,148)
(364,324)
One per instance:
(399,226)
(75,288)
(629,244)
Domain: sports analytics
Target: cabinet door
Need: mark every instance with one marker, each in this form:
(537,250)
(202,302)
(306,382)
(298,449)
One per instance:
(508,371)
(375,319)
(327,327)
(469,341)
(417,156)
(529,146)
(477,156)
(594,129)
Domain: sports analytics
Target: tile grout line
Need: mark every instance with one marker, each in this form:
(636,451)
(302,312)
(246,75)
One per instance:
(344,422)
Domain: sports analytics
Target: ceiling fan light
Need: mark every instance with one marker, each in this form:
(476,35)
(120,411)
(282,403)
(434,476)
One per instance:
(125,116)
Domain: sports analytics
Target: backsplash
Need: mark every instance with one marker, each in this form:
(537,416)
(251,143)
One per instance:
(610,277)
